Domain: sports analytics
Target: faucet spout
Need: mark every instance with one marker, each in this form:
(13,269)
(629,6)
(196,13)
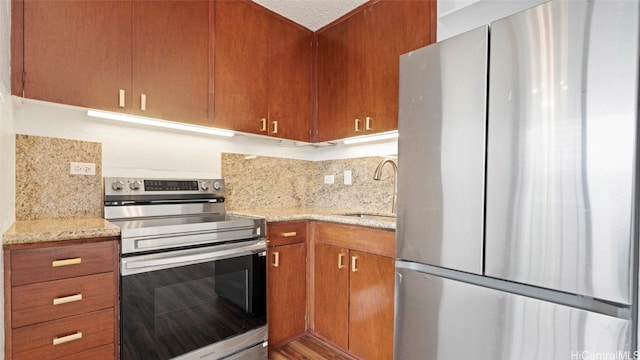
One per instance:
(377,175)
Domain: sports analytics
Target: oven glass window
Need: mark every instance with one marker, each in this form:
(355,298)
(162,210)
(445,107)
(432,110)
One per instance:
(170,312)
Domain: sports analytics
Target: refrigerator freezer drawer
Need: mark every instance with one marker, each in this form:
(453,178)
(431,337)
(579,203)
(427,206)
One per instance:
(442,319)
(441,152)
(562,147)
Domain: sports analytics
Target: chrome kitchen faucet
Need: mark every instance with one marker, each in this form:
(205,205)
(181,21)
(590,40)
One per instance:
(377,175)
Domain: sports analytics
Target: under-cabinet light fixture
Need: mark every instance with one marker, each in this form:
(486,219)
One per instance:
(159,123)
(369,138)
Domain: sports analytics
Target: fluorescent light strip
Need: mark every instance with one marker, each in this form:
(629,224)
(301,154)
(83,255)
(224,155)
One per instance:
(159,123)
(369,138)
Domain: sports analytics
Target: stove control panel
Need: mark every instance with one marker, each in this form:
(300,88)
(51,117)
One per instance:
(137,186)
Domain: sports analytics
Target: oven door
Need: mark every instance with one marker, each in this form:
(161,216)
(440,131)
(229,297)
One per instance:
(203,303)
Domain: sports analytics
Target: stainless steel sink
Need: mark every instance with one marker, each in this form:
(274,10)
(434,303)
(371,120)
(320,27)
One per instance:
(372,216)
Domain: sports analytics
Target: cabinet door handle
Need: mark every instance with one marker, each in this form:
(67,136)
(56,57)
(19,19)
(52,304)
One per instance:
(341,261)
(67,299)
(354,264)
(143,102)
(66,262)
(263,124)
(66,339)
(276,259)
(289,234)
(275,127)
(367,123)
(121,98)
(357,124)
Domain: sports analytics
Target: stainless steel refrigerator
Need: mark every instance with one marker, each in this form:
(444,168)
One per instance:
(517,228)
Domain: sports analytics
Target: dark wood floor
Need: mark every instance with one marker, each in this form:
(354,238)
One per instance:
(307,347)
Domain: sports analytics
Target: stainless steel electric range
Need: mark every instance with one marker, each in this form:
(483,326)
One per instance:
(193,278)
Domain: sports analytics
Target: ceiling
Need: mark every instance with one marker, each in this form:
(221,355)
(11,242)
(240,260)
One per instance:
(312,14)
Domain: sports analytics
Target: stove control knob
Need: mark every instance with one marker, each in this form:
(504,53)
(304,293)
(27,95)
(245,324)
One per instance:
(135,185)
(117,185)
(205,185)
(217,185)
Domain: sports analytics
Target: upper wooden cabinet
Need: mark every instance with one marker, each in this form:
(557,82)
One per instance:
(171,60)
(262,72)
(149,58)
(76,53)
(164,59)
(358,63)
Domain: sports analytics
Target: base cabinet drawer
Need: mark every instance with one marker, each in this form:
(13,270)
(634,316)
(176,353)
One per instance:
(60,262)
(60,338)
(35,303)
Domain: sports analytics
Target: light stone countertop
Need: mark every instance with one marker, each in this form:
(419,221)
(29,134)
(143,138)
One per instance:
(382,221)
(35,231)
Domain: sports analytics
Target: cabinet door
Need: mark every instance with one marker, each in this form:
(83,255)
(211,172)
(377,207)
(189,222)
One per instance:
(339,93)
(290,80)
(77,52)
(286,291)
(331,298)
(371,294)
(392,28)
(171,60)
(240,67)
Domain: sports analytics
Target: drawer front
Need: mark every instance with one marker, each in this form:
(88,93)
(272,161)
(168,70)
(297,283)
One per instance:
(71,335)
(284,233)
(52,300)
(61,262)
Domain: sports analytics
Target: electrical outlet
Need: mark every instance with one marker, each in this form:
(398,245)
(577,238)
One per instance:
(328,179)
(347,177)
(78,168)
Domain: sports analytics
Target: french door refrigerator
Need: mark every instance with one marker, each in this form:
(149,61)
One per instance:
(517,188)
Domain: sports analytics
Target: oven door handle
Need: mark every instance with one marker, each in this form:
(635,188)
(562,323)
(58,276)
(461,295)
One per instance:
(167,260)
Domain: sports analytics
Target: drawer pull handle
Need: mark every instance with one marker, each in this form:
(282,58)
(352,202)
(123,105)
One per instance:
(121,98)
(341,261)
(275,127)
(367,123)
(263,124)
(354,264)
(276,259)
(66,339)
(66,262)
(67,299)
(357,125)
(289,234)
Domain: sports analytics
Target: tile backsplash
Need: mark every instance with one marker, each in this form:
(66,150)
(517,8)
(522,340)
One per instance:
(270,182)
(44,187)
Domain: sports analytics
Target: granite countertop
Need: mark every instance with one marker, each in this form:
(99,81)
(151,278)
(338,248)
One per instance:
(35,231)
(373,219)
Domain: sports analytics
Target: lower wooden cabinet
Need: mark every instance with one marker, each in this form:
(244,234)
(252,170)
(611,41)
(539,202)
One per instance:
(286,281)
(354,289)
(331,295)
(371,294)
(61,300)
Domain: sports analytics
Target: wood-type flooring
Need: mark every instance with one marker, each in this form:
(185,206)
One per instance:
(307,347)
